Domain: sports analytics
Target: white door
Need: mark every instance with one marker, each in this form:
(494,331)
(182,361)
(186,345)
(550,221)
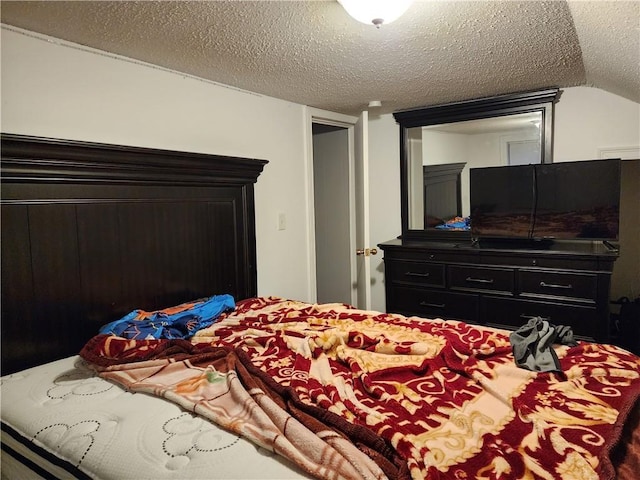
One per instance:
(362,280)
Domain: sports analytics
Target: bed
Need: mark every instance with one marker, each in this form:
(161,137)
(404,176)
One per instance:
(270,387)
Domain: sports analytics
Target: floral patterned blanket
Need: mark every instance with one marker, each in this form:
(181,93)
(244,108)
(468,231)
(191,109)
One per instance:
(346,393)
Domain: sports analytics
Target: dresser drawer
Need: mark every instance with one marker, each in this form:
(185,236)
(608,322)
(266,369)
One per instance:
(417,273)
(570,285)
(512,314)
(502,286)
(559,262)
(472,278)
(434,303)
(455,256)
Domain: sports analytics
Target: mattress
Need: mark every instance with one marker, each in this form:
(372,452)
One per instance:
(61,420)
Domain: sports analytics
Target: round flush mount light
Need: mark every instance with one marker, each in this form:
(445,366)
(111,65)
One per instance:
(375,12)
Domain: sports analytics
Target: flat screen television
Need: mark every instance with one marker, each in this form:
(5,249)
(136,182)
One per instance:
(543,202)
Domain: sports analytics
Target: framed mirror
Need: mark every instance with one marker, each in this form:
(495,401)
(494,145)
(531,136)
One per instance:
(440,144)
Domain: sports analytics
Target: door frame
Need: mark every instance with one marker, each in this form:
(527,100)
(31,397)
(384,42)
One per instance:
(314,115)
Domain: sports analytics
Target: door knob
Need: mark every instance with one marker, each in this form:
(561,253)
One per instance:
(367,251)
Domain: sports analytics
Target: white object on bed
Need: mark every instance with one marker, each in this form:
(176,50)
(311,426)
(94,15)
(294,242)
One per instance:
(109,433)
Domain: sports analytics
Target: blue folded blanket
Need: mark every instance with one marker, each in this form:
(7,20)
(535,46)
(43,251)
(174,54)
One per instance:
(181,321)
(457,223)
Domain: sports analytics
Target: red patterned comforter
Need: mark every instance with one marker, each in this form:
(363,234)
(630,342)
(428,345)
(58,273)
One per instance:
(346,393)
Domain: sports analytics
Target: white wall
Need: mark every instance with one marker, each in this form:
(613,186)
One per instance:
(53,89)
(588,119)
(443,147)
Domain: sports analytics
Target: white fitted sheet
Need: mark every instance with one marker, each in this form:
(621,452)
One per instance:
(109,433)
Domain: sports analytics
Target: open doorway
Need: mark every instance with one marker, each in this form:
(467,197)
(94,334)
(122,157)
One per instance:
(338,168)
(332,213)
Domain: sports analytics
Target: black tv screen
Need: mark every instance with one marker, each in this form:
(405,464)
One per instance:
(502,200)
(570,200)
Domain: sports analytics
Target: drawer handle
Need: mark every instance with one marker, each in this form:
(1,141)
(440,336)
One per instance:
(529,317)
(433,305)
(415,274)
(479,280)
(555,285)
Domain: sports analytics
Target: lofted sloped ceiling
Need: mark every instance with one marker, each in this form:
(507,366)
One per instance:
(313,53)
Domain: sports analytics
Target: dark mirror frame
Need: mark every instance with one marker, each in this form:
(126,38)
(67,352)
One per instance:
(539,101)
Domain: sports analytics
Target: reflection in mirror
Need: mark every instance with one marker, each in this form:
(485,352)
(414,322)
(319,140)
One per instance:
(441,143)
(440,157)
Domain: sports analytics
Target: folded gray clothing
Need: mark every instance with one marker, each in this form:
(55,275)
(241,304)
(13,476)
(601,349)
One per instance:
(532,345)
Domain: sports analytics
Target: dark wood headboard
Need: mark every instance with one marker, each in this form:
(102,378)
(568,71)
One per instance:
(92,231)
(442,192)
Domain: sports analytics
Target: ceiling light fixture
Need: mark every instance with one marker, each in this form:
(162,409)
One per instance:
(375,12)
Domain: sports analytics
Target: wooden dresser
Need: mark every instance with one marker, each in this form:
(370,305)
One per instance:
(567,283)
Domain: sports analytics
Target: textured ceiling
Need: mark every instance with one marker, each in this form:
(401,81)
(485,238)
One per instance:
(313,53)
